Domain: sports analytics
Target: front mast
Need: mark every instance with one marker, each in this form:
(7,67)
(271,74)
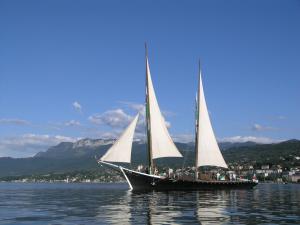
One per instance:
(197,125)
(148,119)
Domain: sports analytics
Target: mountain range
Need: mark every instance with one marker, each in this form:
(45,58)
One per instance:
(80,155)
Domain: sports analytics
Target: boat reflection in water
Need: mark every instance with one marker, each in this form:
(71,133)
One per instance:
(167,207)
(175,207)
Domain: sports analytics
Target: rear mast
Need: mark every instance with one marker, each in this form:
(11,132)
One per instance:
(197,123)
(148,118)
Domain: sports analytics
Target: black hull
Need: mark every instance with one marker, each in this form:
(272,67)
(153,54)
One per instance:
(141,181)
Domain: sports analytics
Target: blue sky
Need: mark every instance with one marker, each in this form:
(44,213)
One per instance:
(73,69)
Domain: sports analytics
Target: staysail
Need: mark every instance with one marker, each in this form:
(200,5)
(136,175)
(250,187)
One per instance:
(120,151)
(207,149)
(160,140)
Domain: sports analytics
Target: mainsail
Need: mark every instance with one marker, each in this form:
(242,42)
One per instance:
(120,151)
(207,149)
(161,143)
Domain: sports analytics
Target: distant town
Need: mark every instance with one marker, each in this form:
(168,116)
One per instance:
(265,173)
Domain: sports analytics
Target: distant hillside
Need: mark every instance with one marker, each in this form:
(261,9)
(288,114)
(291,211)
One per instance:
(228,145)
(283,153)
(67,156)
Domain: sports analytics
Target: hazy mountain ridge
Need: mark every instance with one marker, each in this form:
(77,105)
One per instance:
(83,147)
(67,156)
(92,146)
(228,145)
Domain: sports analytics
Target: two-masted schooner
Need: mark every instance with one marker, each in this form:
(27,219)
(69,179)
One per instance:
(160,144)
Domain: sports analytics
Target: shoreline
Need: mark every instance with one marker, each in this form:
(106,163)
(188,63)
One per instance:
(109,182)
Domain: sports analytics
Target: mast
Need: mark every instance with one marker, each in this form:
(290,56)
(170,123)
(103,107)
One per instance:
(197,123)
(148,118)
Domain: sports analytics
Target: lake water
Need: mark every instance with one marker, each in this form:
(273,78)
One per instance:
(43,203)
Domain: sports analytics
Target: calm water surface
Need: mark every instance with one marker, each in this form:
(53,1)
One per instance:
(22,203)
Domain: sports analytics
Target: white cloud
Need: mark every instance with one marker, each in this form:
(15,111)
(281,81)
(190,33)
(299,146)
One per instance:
(72,123)
(168,124)
(241,139)
(258,127)
(77,106)
(183,138)
(108,135)
(62,125)
(29,144)
(113,118)
(137,107)
(188,137)
(281,117)
(119,119)
(14,122)
(141,109)
(168,113)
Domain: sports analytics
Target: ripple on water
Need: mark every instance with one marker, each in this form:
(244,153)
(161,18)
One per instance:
(114,204)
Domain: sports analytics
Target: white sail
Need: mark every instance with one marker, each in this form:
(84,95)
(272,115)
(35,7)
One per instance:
(120,151)
(162,144)
(209,153)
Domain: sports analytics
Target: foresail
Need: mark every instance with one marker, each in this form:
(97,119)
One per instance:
(120,151)
(209,153)
(162,144)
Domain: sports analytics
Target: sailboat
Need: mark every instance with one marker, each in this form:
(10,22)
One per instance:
(160,145)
